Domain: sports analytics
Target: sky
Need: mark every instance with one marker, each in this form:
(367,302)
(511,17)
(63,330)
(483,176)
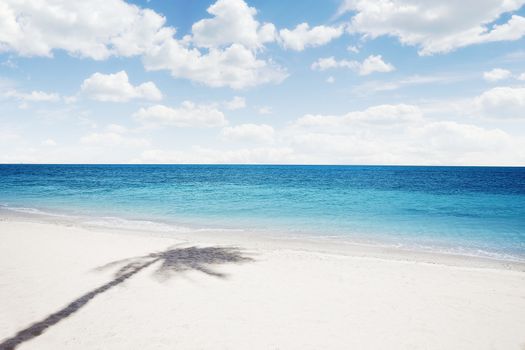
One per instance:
(401,82)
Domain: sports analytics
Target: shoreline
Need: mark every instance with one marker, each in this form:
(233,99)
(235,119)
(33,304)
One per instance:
(272,241)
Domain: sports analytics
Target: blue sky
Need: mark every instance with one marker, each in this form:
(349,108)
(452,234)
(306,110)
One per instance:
(229,81)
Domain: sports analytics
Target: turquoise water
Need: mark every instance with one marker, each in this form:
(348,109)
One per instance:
(471,210)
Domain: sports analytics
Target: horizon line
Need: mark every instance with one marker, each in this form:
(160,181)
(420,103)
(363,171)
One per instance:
(276,164)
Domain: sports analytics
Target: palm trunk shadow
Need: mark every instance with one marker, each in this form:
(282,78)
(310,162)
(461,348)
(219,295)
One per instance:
(172,261)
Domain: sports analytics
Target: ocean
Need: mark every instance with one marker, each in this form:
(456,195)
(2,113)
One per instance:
(463,210)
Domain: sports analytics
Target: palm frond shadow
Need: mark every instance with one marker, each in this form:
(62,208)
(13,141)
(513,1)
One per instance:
(171,261)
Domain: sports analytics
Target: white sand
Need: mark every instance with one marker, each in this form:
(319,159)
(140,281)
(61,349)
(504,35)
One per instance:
(286,298)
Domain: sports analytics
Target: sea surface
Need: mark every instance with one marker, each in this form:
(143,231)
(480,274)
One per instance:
(464,210)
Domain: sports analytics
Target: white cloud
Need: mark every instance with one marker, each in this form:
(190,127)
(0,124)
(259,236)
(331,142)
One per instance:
(373,63)
(436,27)
(450,136)
(70,99)
(233,23)
(233,39)
(249,132)
(330,80)
(112,139)
(6,136)
(235,103)
(330,62)
(117,128)
(236,66)
(400,134)
(33,96)
(352,48)
(521,76)
(113,135)
(187,115)
(117,88)
(496,74)
(100,29)
(502,102)
(302,36)
(380,115)
(372,86)
(265,110)
(96,29)
(49,142)
(330,148)
(199,155)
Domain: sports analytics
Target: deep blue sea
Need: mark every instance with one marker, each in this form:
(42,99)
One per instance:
(467,210)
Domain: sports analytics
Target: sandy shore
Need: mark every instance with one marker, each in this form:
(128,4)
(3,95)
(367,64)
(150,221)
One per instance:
(56,280)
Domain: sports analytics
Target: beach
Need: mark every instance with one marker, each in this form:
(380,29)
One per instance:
(116,289)
(262,175)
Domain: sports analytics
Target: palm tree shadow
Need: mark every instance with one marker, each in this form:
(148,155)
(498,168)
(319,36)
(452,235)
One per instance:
(171,261)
